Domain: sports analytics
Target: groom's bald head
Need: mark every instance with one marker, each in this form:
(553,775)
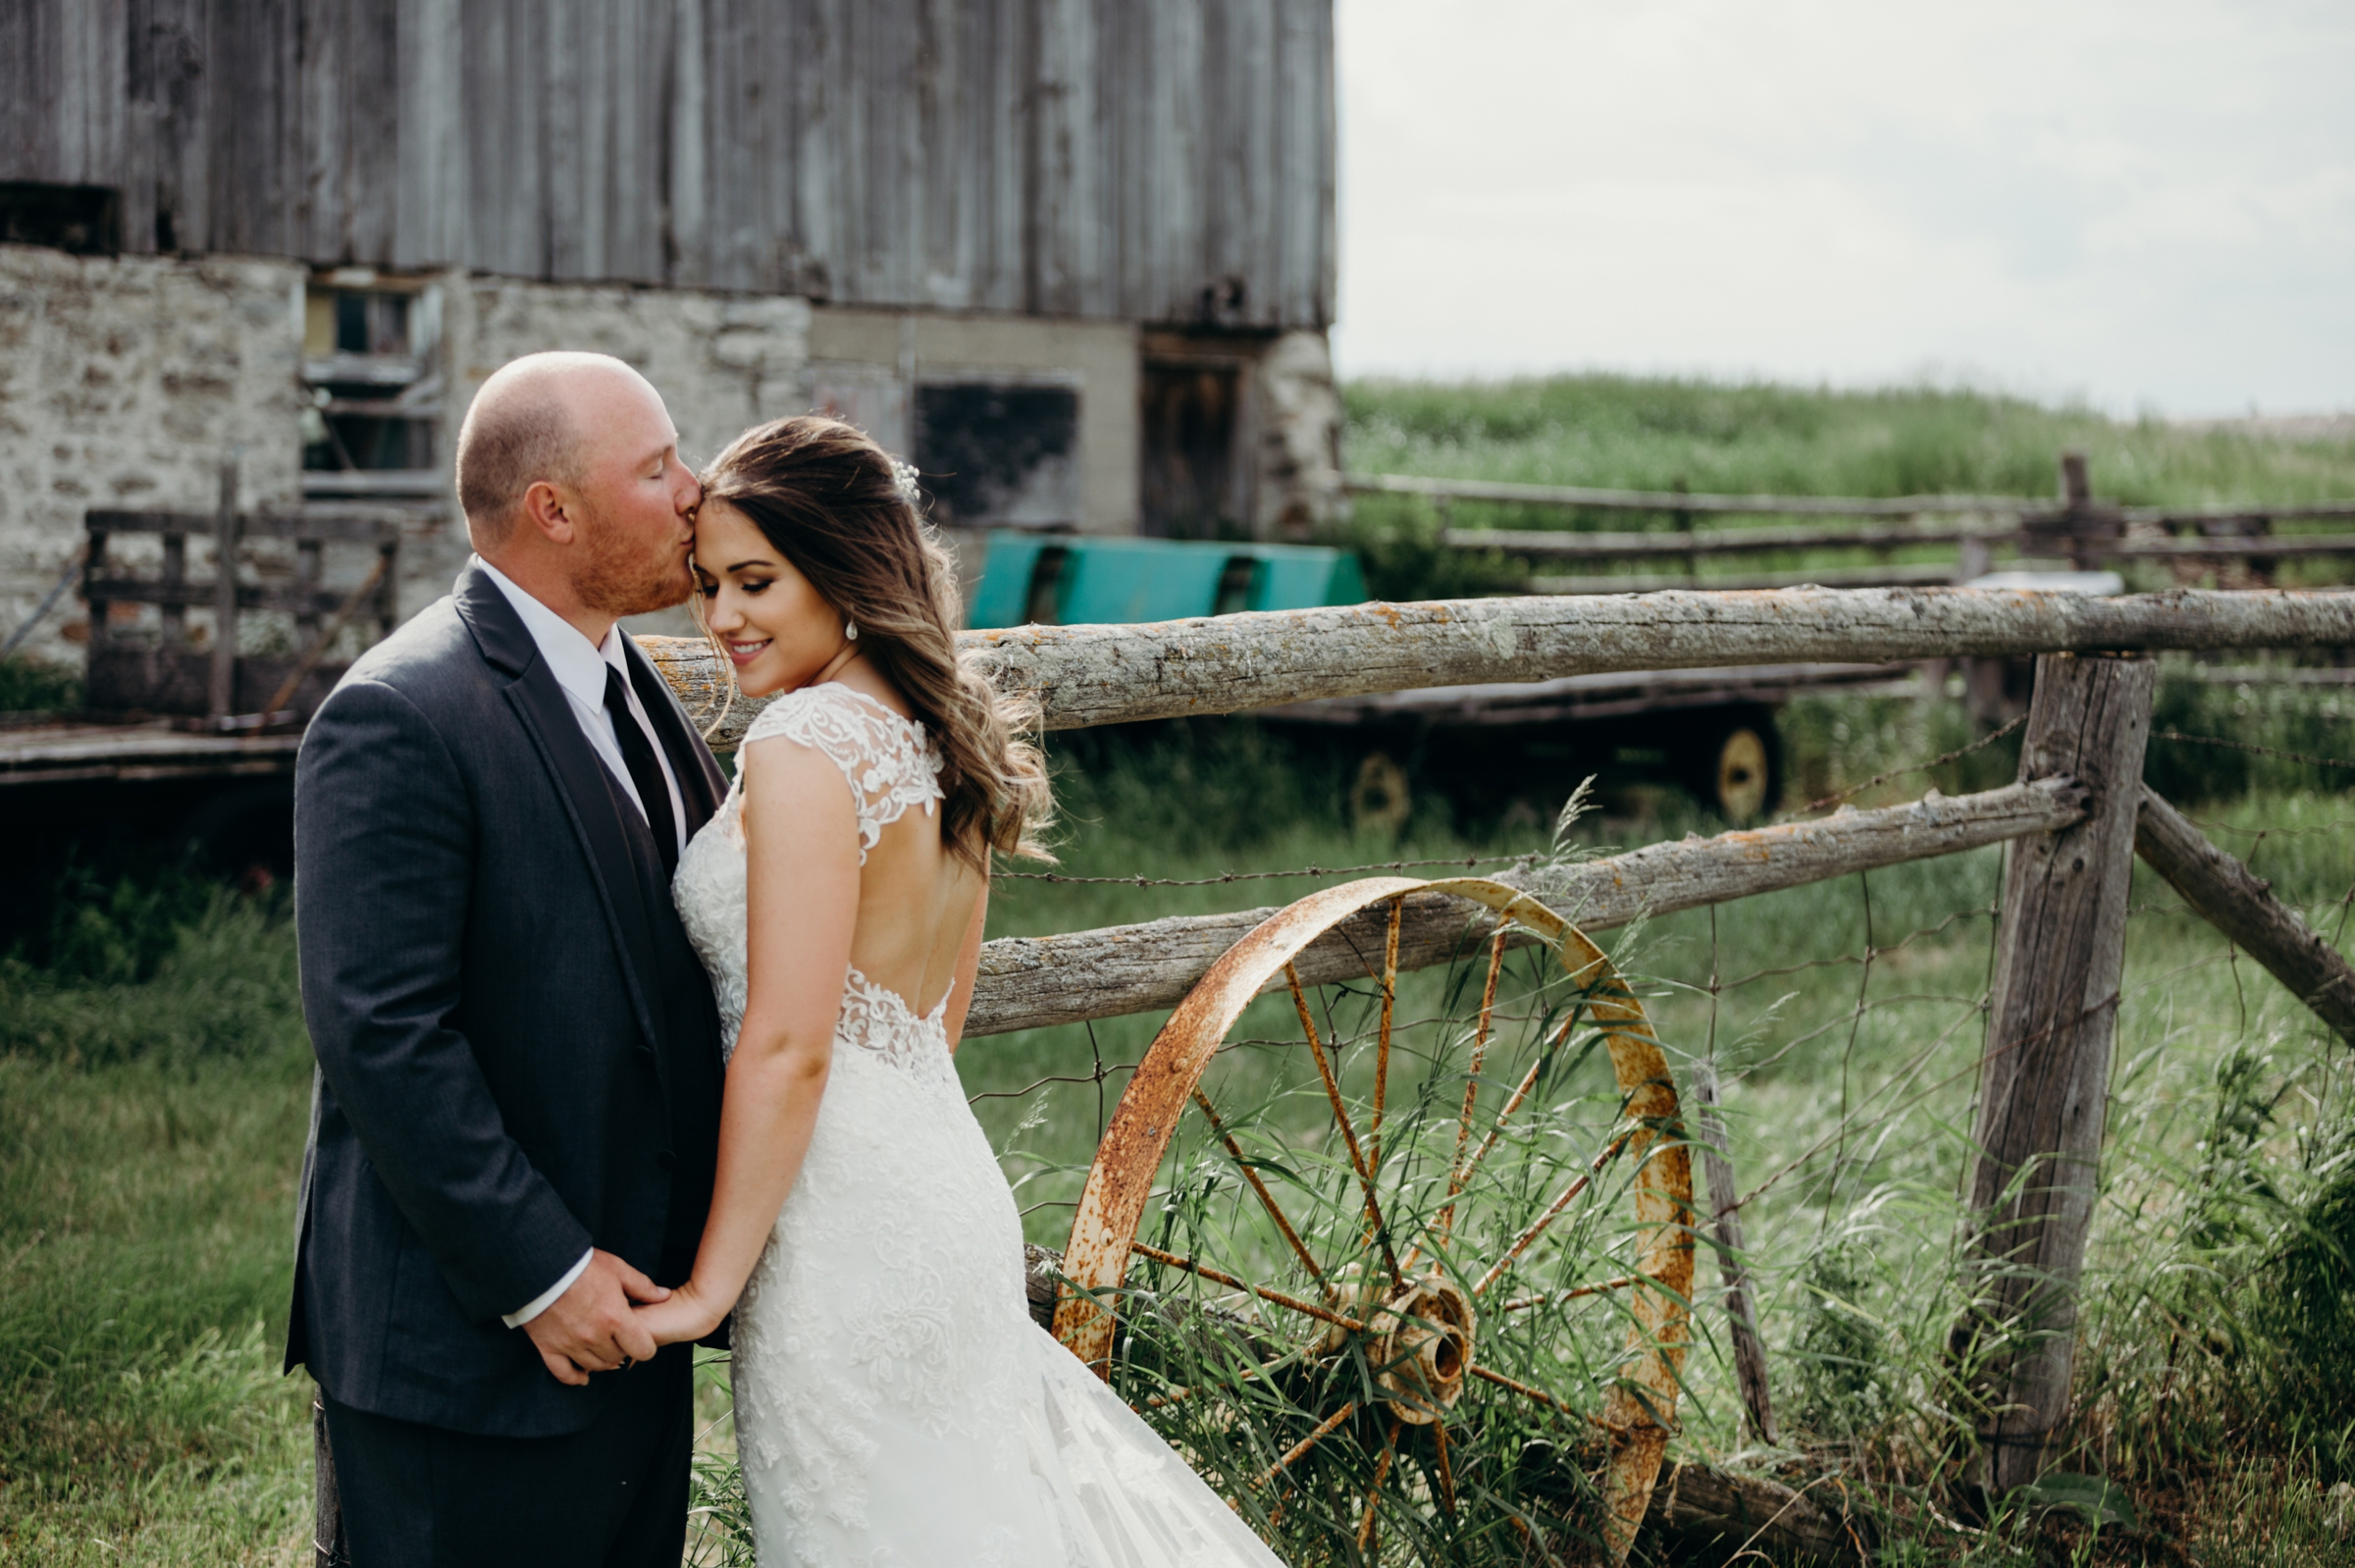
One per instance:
(527,424)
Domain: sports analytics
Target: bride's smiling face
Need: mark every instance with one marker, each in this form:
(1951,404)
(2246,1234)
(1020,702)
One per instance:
(777,630)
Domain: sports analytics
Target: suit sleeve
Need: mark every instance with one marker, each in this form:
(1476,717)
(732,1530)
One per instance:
(384,859)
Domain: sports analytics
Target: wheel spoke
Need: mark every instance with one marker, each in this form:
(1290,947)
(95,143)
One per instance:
(1266,1199)
(1554,1298)
(1553,1209)
(1340,1115)
(1216,1277)
(1381,1472)
(1324,1428)
(1539,1394)
(1382,1049)
(1480,1050)
(1529,1082)
(1438,1433)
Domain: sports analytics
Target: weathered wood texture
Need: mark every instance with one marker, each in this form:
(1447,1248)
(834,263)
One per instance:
(2241,905)
(1713,1513)
(1109,158)
(1085,675)
(1725,1235)
(2045,1078)
(1026,982)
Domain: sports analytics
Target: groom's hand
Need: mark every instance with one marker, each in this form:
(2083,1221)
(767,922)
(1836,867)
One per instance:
(590,1327)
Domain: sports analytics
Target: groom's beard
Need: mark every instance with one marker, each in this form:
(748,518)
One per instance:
(625,576)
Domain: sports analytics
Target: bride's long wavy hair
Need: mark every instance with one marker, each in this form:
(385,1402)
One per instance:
(832,503)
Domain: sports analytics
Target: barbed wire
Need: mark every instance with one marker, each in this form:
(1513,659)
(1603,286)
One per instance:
(2251,747)
(1957,754)
(1468,861)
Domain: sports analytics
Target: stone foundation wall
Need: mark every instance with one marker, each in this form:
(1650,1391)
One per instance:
(1299,420)
(122,382)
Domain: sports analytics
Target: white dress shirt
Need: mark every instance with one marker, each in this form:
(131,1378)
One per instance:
(579,666)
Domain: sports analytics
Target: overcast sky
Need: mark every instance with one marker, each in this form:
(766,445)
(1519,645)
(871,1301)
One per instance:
(2146,203)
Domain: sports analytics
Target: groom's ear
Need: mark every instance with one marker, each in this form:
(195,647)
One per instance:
(549,510)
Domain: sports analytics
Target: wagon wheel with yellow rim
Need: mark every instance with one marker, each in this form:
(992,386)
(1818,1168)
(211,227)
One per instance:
(1452,1302)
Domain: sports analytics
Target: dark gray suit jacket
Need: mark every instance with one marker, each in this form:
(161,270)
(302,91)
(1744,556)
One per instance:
(518,1054)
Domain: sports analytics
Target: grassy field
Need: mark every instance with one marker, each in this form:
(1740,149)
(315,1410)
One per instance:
(1646,433)
(153,1075)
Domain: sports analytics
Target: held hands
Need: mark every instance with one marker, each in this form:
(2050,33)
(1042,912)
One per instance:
(590,1327)
(687,1315)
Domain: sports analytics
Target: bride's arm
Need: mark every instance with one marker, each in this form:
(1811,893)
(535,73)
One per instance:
(969,965)
(801,888)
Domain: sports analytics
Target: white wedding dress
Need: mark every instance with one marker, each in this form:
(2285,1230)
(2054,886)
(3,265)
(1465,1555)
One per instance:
(895,1403)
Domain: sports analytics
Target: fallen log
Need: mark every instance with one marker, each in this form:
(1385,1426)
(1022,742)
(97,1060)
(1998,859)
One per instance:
(2240,904)
(1713,1508)
(1027,982)
(1088,675)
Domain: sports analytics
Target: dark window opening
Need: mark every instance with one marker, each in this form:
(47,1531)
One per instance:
(1234,585)
(84,219)
(370,407)
(1043,605)
(371,323)
(1000,455)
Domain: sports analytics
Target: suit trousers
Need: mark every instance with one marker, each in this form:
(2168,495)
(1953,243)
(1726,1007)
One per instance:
(612,1494)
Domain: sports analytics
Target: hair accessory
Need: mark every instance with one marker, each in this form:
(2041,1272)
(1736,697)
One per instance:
(849,631)
(903,475)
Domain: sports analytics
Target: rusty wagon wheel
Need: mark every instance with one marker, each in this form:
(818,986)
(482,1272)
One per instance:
(1455,1304)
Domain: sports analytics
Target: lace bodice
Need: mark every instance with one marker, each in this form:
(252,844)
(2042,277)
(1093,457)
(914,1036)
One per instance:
(887,760)
(890,766)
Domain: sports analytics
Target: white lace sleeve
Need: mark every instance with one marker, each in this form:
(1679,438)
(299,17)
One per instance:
(886,759)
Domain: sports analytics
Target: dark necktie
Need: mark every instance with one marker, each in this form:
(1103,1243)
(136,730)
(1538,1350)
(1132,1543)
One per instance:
(645,773)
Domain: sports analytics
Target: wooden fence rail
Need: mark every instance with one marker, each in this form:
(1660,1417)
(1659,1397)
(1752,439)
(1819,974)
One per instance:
(1028,981)
(2026,508)
(1087,675)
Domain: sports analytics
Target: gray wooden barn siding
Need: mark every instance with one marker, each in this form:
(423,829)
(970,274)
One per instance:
(1148,160)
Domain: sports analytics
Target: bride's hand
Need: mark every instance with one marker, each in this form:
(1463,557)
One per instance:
(688,1315)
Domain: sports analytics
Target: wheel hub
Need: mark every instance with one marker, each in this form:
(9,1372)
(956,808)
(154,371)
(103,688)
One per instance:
(1422,1350)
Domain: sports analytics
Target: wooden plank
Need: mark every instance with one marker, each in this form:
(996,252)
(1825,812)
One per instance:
(2275,547)
(1087,675)
(365,525)
(2240,904)
(225,593)
(430,225)
(1542,545)
(1106,675)
(1738,1518)
(2044,1082)
(1725,1237)
(288,597)
(1669,500)
(1030,982)
(1927,574)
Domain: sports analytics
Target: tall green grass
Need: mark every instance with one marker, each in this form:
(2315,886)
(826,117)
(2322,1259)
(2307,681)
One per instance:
(150,1133)
(1639,432)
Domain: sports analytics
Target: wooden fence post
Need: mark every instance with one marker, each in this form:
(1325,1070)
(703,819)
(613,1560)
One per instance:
(223,693)
(2045,1078)
(1725,1232)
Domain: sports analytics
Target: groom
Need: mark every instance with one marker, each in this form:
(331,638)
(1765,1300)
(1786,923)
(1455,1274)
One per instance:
(517,1113)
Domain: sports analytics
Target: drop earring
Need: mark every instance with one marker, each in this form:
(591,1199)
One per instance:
(849,631)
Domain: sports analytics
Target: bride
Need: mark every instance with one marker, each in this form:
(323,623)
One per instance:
(894,1401)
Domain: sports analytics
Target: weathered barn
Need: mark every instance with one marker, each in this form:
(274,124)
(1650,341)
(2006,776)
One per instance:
(1075,257)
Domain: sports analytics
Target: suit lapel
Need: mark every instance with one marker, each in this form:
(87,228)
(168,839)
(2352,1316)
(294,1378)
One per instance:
(546,717)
